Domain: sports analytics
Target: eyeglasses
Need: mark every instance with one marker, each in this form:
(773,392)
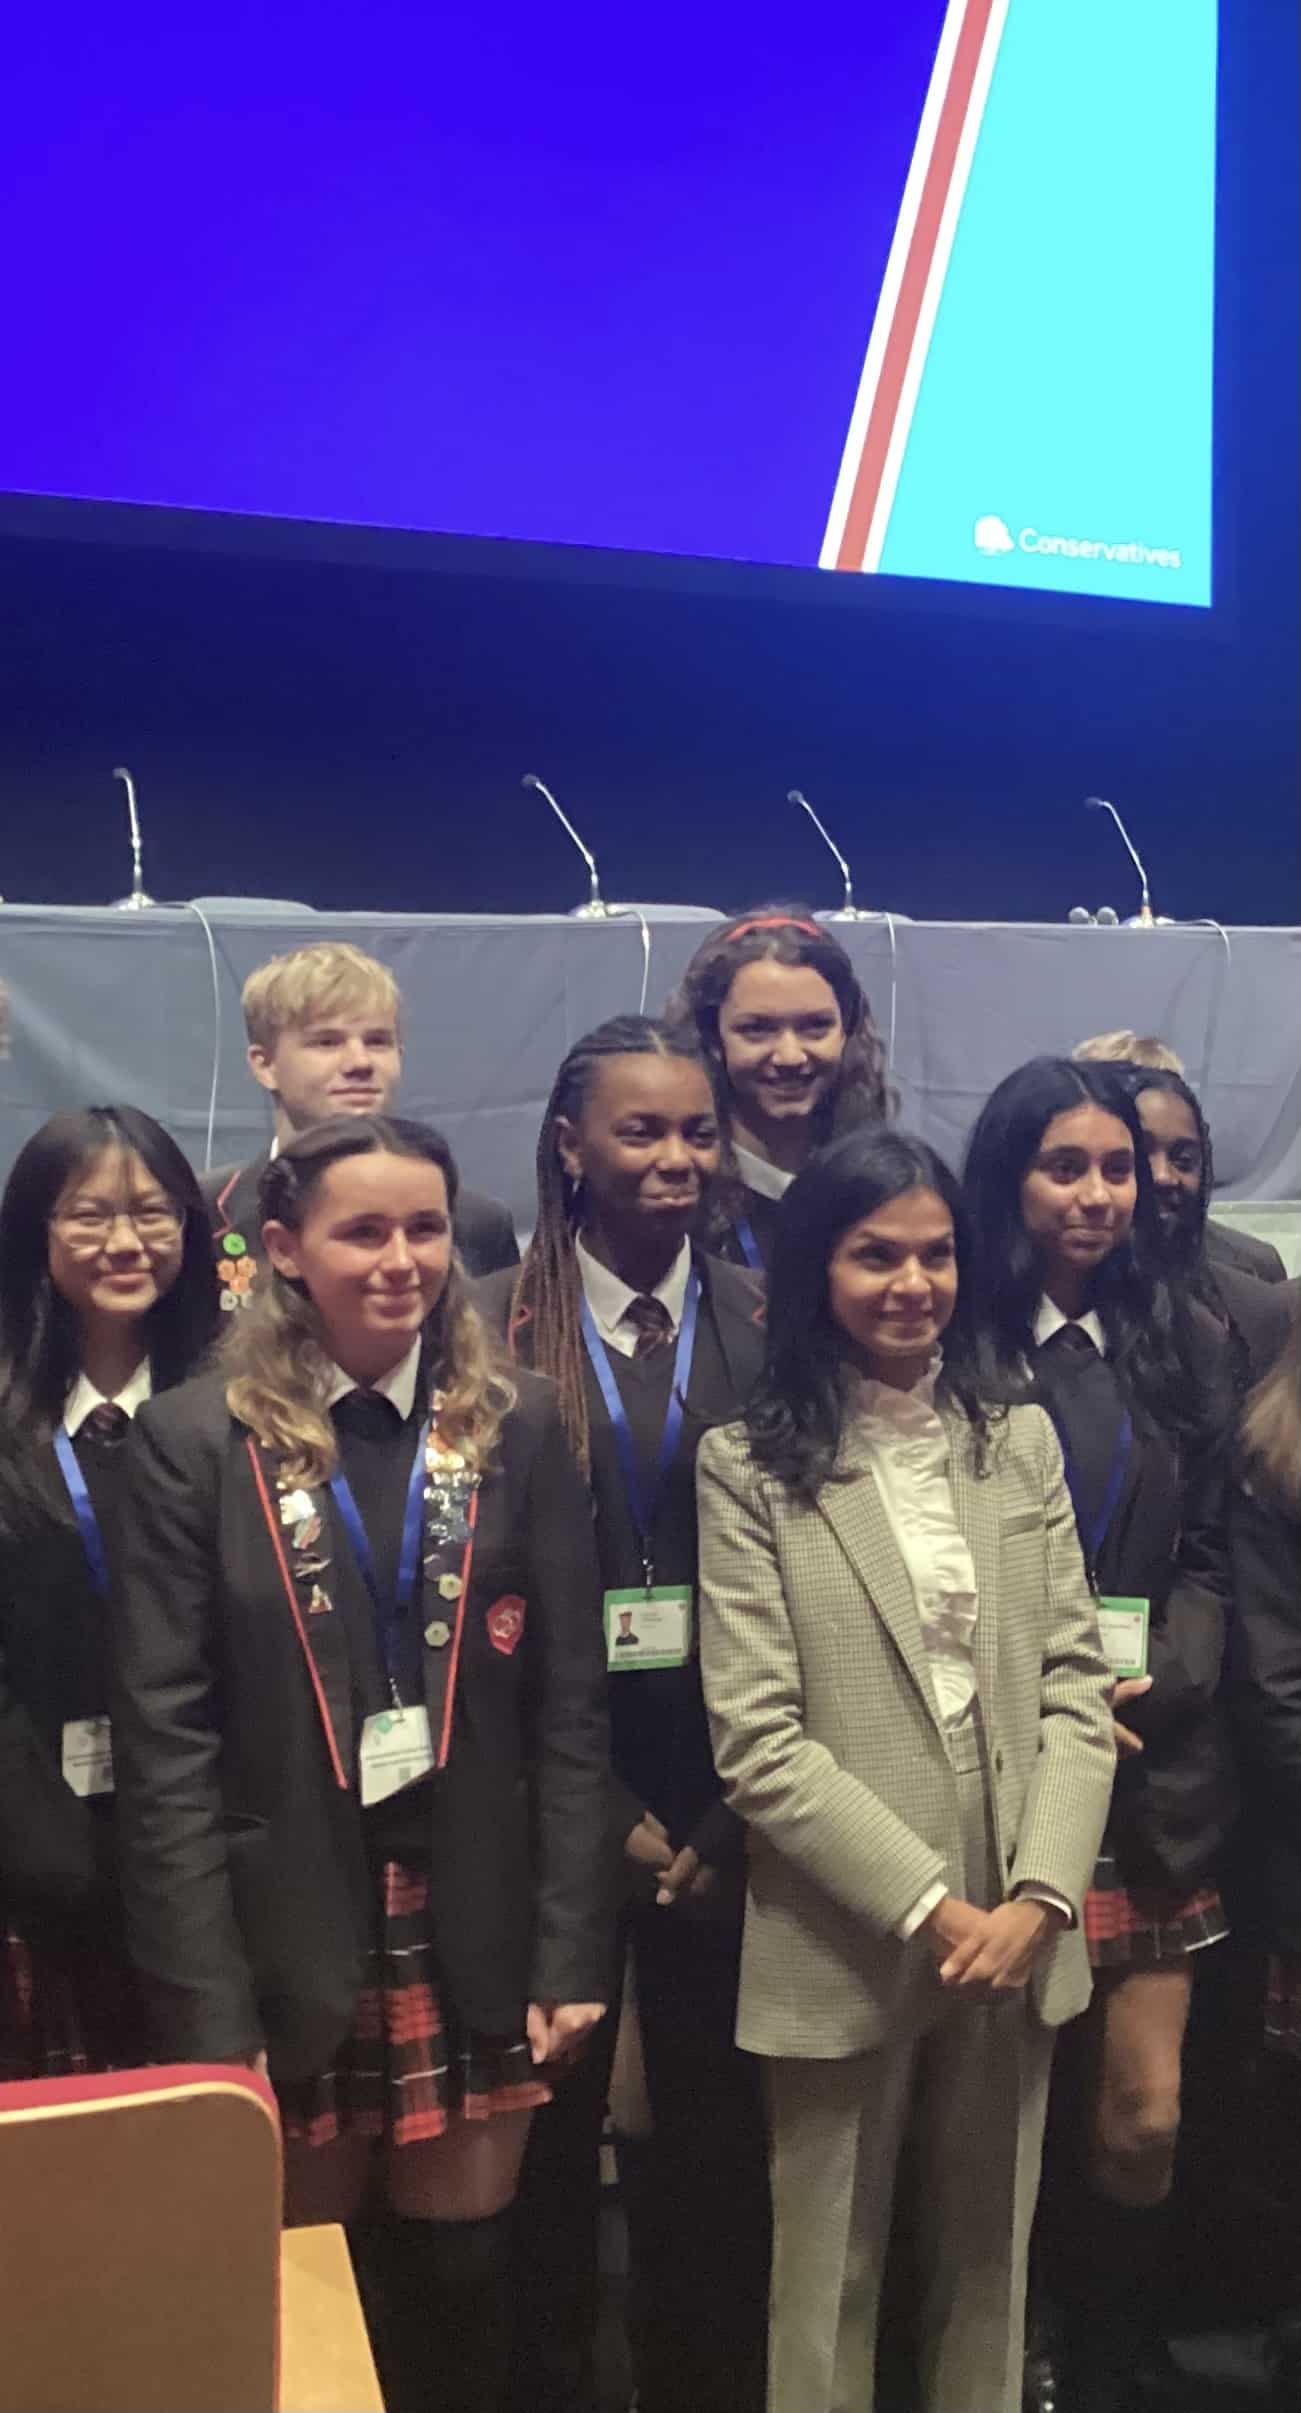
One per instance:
(87,1228)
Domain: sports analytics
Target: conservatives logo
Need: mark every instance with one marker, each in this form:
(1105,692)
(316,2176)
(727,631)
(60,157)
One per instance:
(992,536)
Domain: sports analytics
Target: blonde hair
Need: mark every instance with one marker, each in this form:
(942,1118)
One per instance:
(1125,1047)
(1270,1433)
(327,978)
(276,1357)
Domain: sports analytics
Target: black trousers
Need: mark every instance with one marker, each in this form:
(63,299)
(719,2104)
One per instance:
(695,2196)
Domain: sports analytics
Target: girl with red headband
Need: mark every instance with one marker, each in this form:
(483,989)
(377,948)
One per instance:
(795,1056)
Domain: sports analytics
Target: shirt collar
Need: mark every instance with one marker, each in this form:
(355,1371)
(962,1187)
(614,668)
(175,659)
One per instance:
(893,1406)
(398,1385)
(83,1398)
(610,1298)
(1049,1319)
(757,1174)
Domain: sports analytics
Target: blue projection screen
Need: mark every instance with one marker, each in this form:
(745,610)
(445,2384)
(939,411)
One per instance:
(897,287)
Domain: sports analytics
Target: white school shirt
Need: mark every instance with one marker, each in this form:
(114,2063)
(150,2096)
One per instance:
(610,1298)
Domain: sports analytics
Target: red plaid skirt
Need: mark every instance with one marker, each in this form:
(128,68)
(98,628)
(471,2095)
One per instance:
(1283,2004)
(402,2072)
(68,2008)
(1133,1930)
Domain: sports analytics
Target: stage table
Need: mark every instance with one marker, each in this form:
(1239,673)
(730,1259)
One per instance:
(104,1005)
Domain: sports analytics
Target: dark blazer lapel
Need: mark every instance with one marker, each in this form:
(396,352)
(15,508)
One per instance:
(239,1205)
(975,1504)
(311,1599)
(856,1513)
(739,1323)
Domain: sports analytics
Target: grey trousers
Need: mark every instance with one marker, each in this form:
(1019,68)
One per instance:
(959,2096)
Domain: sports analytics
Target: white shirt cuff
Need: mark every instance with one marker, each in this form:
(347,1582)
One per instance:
(921,1910)
(1045,1893)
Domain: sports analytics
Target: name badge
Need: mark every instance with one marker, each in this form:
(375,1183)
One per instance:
(1123,1624)
(396,1751)
(88,1756)
(648,1628)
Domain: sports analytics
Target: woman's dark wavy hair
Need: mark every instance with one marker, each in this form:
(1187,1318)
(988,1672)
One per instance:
(39,1357)
(784,933)
(1146,1318)
(797,1413)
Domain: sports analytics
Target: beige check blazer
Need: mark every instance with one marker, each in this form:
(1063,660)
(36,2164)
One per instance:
(828,1738)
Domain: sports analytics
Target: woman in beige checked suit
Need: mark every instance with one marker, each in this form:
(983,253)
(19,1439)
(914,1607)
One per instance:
(909,1708)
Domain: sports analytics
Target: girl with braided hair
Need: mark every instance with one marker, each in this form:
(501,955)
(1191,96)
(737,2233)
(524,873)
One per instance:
(794,1055)
(650,1342)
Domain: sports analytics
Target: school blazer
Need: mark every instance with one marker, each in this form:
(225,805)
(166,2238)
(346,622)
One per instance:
(1263,1693)
(248,1899)
(828,1737)
(52,1855)
(485,1234)
(1175,1803)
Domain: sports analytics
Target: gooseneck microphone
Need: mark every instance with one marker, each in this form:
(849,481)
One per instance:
(596,909)
(137,902)
(847,911)
(1144,919)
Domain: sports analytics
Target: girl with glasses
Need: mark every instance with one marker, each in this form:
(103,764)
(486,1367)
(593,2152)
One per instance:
(106,1296)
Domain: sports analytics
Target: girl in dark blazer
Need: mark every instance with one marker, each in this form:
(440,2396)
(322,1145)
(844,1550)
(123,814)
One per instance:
(794,1055)
(650,1343)
(1076,1311)
(106,1293)
(362,1725)
(1264,1694)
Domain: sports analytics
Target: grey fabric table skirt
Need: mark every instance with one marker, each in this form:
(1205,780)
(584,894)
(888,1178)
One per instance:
(102,1006)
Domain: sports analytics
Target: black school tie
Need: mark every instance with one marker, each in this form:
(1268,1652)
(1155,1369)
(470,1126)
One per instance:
(652,1323)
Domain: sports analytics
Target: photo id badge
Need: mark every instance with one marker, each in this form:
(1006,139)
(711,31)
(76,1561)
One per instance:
(1122,1624)
(395,1752)
(88,1756)
(648,1628)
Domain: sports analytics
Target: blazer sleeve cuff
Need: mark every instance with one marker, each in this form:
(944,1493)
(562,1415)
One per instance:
(921,1910)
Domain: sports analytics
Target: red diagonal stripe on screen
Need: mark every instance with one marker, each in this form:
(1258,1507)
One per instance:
(912,285)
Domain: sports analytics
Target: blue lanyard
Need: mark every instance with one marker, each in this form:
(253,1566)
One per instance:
(749,1245)
(92,1540)
(1091,1541)
(642,1510)
(388,1614)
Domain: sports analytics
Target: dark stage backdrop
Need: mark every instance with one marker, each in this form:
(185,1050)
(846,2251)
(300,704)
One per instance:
(354,736)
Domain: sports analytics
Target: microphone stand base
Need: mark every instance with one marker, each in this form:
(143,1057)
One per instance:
(863,913)
(596,910)
(137,902)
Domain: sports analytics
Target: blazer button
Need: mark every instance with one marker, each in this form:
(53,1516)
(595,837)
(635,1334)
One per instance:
(438,1635)
(1011,1862)
(998,1763)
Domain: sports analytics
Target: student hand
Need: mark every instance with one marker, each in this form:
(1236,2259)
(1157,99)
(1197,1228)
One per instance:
(648,1844)
(1002,1960)
(1130,1688)
(557,2031)
(687,1877)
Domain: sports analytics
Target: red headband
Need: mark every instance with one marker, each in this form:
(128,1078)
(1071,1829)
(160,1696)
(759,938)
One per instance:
(775,921)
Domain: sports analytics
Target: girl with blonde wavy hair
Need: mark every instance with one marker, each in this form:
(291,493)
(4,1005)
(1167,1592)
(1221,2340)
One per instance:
(360,1738)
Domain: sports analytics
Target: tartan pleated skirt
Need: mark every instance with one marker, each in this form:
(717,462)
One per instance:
(1128,1929)
(408,2068)
(68,2002)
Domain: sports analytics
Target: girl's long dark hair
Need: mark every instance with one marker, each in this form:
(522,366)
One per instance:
(1146,1317)
(1187,1261)
(783,934)
(39,1355)
(548,1291)
(797,1412)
